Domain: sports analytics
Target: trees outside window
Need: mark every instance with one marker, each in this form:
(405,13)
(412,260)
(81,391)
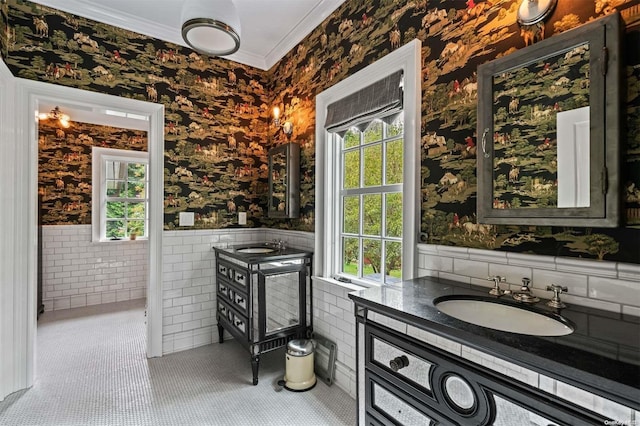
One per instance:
(370,235)
(120,194)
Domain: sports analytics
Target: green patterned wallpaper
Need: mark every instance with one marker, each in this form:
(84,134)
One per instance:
(456,37)
(64,167)
(217,122)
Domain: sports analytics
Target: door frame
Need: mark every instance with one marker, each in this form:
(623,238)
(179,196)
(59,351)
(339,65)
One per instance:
(19,99)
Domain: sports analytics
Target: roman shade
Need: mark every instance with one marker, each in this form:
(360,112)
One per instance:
(381,99)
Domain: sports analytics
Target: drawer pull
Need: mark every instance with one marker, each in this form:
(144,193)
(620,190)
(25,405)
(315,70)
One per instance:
(399,362)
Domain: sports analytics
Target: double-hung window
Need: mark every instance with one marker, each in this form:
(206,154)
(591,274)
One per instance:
(370,199)
(120,205)
(368,172)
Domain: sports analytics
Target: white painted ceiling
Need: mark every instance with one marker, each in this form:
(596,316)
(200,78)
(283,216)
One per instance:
(269,28)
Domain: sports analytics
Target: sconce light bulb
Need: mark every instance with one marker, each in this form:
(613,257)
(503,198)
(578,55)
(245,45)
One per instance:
(276,112)
(64,123)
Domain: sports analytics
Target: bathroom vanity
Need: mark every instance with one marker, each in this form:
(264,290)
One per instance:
(264,297)
(417,365)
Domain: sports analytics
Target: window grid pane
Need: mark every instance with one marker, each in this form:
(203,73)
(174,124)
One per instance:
(126,199)
(371,202)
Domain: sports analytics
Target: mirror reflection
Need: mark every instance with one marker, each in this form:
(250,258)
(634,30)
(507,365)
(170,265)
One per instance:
(541,133)
(282,302)
(284,181)
(549,131)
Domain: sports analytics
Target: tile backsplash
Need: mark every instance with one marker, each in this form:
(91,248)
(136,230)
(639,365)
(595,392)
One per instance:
(603,285)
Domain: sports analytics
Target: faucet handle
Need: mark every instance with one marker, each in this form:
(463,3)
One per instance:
(557,290)
(496,290)
(526,282)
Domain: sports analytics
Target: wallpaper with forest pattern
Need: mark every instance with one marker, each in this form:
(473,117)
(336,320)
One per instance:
(65,168)
(217,111)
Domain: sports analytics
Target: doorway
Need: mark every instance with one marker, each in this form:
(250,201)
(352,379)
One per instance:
(18,288)
(78,267)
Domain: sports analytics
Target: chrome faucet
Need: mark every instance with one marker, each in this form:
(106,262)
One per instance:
(525,295)
(496,290)
(557,290)
(279,244)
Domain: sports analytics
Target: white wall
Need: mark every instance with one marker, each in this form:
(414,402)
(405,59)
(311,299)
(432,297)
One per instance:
(77,272)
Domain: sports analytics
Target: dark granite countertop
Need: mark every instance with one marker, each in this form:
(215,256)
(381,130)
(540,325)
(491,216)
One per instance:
(276,255)
(601,356)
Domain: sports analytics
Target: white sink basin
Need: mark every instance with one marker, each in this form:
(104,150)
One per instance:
(490,314)
(255,250)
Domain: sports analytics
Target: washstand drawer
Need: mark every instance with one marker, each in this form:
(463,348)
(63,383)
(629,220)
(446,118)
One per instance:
(387,405)
(235,274)
(398,360)
(238,321)
(238,300)
(224,270)
(241,278)
(222,289)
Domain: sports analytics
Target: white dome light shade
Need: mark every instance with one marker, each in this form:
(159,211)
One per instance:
(533,11)
(211,27)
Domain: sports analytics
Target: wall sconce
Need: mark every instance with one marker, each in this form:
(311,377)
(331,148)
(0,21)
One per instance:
(287,126)
(56,114)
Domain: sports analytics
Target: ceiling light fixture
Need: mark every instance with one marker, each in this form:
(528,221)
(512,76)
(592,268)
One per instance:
(56,114)
(533,11)
(211,27)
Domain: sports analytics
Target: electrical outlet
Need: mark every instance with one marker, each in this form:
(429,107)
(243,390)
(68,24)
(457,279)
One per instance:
(185,219)
(242,218)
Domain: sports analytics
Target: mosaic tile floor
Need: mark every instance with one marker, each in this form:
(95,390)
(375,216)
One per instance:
(92,370)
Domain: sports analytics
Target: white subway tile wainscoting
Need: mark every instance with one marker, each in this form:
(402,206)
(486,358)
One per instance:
(77,272)
(602,285)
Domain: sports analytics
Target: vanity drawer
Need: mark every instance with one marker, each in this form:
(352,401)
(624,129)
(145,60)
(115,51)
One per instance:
(238,300)
(387,405)
(231,295)
(241,277)
(239,322)
(398,359)
(222,289)
(234,273)
(230,316)
(224,270)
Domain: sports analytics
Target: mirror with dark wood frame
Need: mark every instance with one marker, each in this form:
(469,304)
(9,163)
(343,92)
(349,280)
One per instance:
(549,130)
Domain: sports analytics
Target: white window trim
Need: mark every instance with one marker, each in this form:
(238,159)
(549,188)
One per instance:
(98,204)
(407,59)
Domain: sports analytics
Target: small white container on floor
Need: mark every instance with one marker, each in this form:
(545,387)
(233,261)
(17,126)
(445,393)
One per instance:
(299,375)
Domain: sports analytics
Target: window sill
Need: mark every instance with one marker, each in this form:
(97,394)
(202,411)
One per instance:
(349,286)
(123,240)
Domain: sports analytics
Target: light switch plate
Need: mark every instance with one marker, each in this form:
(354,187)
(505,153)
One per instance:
(186,219)
(242,218)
